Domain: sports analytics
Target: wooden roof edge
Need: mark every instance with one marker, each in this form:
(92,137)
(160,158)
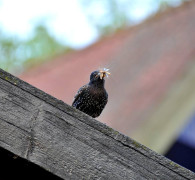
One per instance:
(120,142)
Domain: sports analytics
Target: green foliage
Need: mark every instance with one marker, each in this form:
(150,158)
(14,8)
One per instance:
(109,16)
(8,51)
(16,54)
(42,46)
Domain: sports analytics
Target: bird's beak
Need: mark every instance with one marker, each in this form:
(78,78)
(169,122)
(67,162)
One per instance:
(103,74)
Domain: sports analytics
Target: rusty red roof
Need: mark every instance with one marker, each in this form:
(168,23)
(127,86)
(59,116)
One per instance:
(144,61)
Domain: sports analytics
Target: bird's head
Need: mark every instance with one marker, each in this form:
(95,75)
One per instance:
(97,77)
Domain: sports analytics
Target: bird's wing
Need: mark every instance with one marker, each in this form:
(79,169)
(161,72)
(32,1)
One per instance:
(80,91)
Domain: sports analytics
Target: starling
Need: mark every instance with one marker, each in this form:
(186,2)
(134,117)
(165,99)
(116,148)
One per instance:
(92,97)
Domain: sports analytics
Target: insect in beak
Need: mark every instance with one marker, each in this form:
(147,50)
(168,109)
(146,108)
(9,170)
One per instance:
(104,73)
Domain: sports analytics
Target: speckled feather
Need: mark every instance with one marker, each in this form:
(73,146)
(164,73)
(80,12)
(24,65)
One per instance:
(92,97)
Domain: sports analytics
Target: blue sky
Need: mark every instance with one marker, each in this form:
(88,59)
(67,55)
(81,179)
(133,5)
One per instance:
(65,19)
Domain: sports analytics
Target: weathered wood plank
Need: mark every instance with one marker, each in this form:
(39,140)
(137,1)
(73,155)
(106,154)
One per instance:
(70,144)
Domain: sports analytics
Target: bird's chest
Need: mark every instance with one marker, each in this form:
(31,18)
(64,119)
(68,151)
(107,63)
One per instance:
(95,97)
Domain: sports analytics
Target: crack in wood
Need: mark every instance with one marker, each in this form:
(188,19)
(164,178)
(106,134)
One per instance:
(14,125)
(17,104)
(32,138)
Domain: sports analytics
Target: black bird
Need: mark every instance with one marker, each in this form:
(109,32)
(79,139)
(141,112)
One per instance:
(92,97)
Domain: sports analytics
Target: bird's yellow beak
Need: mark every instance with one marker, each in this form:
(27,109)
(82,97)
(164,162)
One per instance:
(103,73)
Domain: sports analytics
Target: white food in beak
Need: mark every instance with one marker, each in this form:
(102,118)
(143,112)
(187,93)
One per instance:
(103,73)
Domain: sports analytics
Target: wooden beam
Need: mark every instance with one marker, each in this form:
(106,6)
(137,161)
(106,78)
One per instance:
(70,144)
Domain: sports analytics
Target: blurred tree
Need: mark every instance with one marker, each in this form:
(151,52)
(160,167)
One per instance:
(8,51)
(42,46)
(109,16)
(16,54)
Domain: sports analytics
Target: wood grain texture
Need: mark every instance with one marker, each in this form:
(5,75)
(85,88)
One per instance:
(70,144)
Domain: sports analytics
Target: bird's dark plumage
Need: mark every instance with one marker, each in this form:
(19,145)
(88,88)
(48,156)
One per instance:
(92,97)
